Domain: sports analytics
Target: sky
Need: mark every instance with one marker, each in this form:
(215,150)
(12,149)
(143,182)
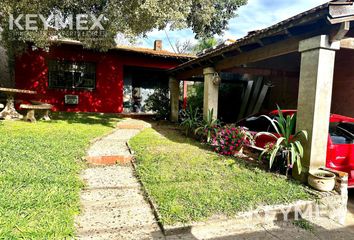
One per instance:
(257,14)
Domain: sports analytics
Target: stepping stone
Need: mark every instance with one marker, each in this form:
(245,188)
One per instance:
(110,177)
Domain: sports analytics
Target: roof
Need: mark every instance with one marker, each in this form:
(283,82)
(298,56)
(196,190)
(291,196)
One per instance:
(144,51)
(149,51)
(323,12)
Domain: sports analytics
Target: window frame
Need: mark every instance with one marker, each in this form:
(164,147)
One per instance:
(67,67)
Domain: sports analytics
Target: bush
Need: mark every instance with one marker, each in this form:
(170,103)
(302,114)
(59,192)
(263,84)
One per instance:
(288,146)
(229,140)
(208,127)
(159,103)
(190,119)
(196,95)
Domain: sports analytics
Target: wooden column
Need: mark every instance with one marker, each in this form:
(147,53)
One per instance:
(314,101)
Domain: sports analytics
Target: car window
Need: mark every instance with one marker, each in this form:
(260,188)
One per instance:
(341,133)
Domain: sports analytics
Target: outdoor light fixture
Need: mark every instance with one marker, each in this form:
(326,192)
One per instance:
(216,79)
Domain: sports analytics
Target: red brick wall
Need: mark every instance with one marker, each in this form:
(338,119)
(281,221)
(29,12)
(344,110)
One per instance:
(32,73)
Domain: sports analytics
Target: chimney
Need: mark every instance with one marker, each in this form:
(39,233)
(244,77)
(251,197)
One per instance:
(158,45)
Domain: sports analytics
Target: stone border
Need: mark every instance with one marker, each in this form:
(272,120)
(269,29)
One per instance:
(261,215)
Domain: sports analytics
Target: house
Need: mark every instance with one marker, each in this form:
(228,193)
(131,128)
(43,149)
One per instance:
(75,79)
(303,62)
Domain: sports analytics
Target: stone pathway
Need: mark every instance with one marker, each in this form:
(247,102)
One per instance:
(113,206)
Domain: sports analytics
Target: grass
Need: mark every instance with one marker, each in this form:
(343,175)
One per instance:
(40,165)
(191,183)
(304,224)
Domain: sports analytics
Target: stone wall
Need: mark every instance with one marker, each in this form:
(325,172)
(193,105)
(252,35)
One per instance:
(336,204)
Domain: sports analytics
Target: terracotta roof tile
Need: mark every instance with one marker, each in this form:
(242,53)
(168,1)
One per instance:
(149,51)
(146,51)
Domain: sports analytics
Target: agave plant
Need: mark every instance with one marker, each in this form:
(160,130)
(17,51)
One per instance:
(190,119)
(286,144)
(208,126)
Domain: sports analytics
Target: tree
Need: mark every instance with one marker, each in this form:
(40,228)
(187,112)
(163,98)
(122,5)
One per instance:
(131,18)
(184,47)
(205,43)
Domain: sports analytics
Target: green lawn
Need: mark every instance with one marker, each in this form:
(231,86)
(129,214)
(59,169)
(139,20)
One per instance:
(190,183)
(40,165)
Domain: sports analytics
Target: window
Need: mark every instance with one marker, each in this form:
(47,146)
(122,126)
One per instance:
(256,124)
(342,133)
(72,75)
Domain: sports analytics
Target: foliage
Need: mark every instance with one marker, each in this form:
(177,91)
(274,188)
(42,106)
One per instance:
(39,178)
(196,95)
(130,18)
(190,183)
(229,140)
(227,110)
(205,43)
(208,127)
(304,224)
(190,119)
(285,144)
(159,102)
(184,47)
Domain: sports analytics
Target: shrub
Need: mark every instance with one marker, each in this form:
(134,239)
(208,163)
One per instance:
(196,95)
(207,127)
(229,140)
(190,119)
(286,144)
(159,103)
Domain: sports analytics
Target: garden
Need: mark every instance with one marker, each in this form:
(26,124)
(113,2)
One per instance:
(196,171)
(39,181)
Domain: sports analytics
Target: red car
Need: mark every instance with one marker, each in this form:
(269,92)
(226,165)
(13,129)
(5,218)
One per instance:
(340,147)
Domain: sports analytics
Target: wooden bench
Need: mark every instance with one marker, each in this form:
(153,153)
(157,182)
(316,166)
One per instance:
(31,108)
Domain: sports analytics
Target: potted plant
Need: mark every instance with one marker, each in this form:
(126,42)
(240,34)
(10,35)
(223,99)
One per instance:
(322,180)
(287,148)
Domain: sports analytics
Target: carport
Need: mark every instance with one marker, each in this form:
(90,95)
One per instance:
(307,56)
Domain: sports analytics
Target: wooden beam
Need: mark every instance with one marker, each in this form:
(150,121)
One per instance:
(340,20)
(269,51)
(341,10)
(261,98)
(187,74)
(262,72)
(245,100)
(347,43)
(340,32)
(255,94)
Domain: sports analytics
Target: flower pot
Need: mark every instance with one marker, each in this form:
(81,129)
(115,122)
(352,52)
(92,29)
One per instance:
(322,180)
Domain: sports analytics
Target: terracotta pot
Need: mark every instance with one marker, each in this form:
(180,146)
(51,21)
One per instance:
(322,180)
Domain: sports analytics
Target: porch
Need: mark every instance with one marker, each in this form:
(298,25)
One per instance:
(300,63)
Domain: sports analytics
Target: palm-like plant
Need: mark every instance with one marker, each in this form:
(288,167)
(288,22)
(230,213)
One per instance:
(208,126)
(287,144)
(190,119)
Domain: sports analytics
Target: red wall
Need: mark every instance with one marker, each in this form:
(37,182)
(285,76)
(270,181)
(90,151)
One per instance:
(32,73)
(343,84)
(285,90)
